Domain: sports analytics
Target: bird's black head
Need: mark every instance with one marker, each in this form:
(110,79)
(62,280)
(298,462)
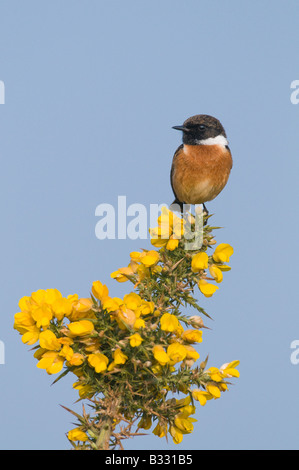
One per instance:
(197,129)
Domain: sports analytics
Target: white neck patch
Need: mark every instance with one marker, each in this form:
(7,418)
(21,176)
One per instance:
(218,140)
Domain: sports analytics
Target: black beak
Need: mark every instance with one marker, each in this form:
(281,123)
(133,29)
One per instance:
(181,128)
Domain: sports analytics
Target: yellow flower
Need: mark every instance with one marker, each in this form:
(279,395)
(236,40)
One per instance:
(159,242)
(160,355)
(229,370)
(162,231)
(192,336)
(47,296)
(224,267)
(167,217)
(222,253)
(160,430)
(66,340)
(121,275)
(81,328)
(125,317)
(191,353)
(76,360)
(145,422)
(169,322)
(73,298)
(201,396)
(84,390)
(66,352)
(135,340)
(98,361)
(23,320)
(99,290)
(186,409)
(31,335)
(178,228)
(176,434)
(112,304)
(150,259)
(183,423)
(157,369)
(48,340)
(42,315)
(77,435)
(139,323)
(199,262)
(216,273)
(132,301)
(206,288)
(143,272)
(119,357)
(83,305)
(215,374)
(62,307)
(172,244)
(51,361)
(136,256)
(25,303)
(25,324)
(214,390)
(176,352)
(145,308)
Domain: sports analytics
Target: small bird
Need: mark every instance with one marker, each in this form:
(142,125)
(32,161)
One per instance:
(201,165)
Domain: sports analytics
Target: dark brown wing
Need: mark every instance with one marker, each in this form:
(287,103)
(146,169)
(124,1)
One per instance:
(176,201)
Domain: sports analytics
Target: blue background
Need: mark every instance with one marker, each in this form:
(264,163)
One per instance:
(92,90)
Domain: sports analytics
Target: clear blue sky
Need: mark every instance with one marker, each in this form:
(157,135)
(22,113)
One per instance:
(92,90)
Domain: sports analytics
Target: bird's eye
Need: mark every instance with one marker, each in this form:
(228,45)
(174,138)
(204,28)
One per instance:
(202,127)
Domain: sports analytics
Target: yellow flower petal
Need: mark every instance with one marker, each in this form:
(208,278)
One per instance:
(98,361)
(99,290)
(31,336)
(176,434)
(125,317)
(201,396)
(121,275)
(119,356)
(214,390)
(81,328)
(192,336)
(160,430)
(199,262)
(135,340)
(150,259)
(132,301)
(169,322)
(112,304)
(206,288)
(83,305)
(216,273)
(172,244)
(176,352)
(160,355)
(222,253)
(62,307)
(77,435)
(48,340)
(51,361)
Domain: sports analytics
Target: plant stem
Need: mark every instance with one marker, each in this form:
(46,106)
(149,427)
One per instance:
(104,436)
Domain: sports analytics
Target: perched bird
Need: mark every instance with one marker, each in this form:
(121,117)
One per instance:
(202,164)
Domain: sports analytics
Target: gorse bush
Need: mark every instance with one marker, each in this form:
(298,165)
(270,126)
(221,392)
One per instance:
(130,356)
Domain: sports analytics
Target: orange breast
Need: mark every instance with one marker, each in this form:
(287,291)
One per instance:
(200,172)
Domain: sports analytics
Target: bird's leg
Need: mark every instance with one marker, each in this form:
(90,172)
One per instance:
(205,209)
(206,212)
